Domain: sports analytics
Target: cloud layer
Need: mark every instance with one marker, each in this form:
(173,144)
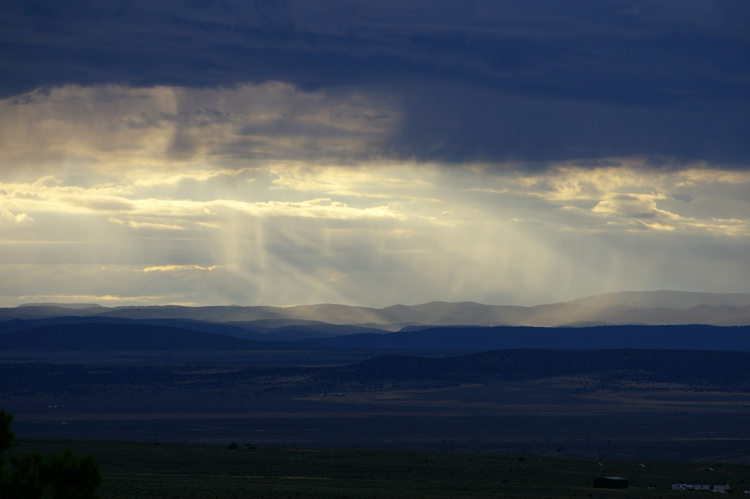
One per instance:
(529,81)
(264,208)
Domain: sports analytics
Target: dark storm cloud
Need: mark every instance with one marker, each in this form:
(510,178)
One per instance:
(529,81)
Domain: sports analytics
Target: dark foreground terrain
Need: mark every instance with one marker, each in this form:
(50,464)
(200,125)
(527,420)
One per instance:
(650,404)
(175,470)
(157,402)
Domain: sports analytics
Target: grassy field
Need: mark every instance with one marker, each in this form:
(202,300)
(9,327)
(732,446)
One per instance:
(179,470)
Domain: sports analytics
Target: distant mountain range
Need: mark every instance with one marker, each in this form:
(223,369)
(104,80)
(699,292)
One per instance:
(677,320)
(648,308)
(665,299)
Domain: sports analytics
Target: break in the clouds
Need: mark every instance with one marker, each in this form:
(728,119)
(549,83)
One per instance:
(372,153)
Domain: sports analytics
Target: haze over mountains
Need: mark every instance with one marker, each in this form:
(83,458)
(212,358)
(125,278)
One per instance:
(652,307)
(688,321)
(665,299)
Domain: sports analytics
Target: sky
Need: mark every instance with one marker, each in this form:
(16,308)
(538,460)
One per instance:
(372,152)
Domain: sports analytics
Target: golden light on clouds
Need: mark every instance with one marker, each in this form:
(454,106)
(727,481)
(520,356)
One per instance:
(271,195)
(176,268)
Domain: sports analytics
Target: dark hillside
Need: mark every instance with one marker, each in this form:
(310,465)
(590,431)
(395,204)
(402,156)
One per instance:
(662,366)
(14,325)
(196,325)
(688,337)
(260,330)
(296,332)
(104,337)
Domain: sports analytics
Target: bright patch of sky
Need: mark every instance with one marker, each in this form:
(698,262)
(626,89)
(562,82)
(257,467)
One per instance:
(271,195)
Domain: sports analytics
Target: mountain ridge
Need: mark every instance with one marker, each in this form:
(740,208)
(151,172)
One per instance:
(667,307)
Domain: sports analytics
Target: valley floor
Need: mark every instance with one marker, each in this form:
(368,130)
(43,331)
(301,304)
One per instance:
(553,417)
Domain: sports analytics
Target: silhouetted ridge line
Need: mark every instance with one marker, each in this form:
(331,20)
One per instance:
(688,337)
(113,337)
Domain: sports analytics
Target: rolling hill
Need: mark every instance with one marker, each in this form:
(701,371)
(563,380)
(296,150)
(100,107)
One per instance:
(689,337)
(103,337)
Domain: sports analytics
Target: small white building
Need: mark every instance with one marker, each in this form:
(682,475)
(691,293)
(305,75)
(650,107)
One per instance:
(712,487)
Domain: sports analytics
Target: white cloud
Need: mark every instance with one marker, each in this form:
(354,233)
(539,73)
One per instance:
(176,268)
(9,217)
(154,225)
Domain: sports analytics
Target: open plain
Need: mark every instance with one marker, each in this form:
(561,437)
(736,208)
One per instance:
(593,416)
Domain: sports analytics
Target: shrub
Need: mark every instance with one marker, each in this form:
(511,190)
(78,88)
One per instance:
(64,476)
